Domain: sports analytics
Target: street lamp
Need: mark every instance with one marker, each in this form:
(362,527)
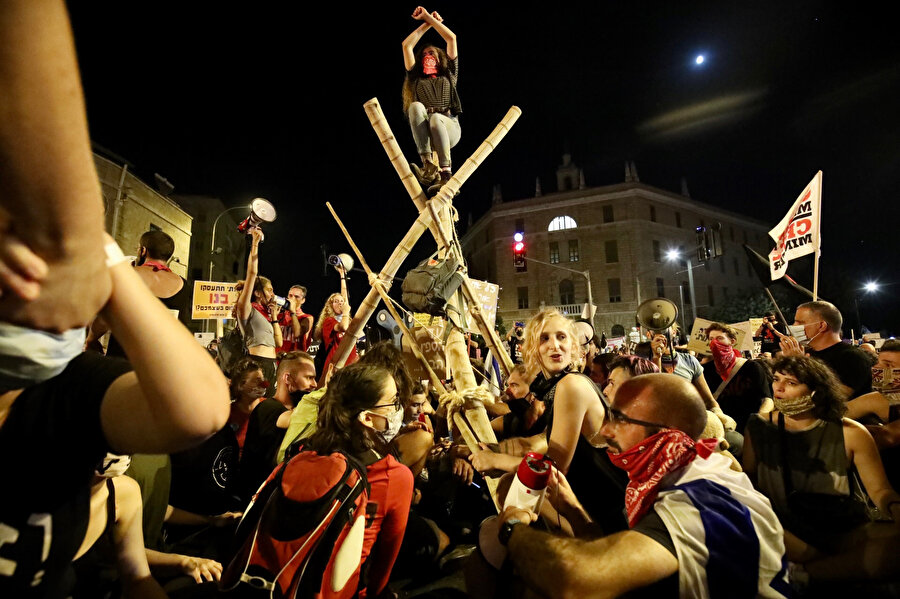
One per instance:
(673,255)
(871,286)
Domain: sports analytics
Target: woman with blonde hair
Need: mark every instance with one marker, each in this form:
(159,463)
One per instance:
(333,322)
(575,412)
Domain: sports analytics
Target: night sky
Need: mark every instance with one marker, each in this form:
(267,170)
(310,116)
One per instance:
(240,101)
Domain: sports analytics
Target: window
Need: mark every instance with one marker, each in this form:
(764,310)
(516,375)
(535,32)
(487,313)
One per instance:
(678,219)
(573,251)
(660,287)
(566,291)
(657,253)
(653,214)
(608,214)
(520,225)
(615,290)
(554,252)
(561,223)
(612,251)
(523,298)
(736,269)
(617,330)
(709,292)
(687,292)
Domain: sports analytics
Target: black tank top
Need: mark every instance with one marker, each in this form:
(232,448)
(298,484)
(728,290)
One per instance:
(599,486)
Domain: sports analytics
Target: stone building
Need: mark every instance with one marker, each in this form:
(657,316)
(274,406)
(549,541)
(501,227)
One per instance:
(620,234)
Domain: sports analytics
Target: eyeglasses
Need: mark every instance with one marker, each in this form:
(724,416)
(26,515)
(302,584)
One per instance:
(616,417)
(395,403)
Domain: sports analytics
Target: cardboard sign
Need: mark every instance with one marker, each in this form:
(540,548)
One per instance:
(486,294)
(213,300)
(435,324)
(615,342)
(432,350)
(699,342)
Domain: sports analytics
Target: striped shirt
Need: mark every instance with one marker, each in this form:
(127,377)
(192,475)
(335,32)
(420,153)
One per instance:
(439,92)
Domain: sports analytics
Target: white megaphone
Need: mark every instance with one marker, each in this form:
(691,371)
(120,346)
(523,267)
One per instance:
(341,260)
(261,211)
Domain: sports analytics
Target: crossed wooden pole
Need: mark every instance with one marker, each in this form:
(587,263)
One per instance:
(437,216)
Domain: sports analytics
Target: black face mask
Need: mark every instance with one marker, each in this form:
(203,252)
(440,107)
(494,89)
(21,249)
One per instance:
(142,257)
(519,406)
(297,395)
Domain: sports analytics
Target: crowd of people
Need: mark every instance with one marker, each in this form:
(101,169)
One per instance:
(177,474)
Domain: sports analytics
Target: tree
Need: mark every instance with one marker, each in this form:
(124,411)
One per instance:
(739,308)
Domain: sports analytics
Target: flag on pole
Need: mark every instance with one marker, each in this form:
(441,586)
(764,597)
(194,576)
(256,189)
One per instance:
(798,232)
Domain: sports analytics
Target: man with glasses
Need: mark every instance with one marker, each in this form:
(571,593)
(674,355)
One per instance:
(697,528)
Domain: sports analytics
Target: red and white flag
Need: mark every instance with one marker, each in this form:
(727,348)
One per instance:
(798,232)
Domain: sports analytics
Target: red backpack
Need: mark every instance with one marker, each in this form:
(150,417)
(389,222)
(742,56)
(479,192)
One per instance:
(302,535)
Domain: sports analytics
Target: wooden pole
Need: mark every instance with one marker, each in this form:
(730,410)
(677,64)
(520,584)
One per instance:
(386,276)
(377,285)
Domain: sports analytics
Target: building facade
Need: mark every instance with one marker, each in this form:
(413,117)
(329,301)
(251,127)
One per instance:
(617,235)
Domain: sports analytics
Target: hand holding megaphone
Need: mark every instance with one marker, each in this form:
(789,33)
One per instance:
(261,211)
(343,263)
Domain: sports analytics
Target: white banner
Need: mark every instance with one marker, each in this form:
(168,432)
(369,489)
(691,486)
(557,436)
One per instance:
(798,232)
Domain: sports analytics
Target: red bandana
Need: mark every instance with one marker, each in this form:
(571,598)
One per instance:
(724,357)
(261,309)
(650,460)
(429,65)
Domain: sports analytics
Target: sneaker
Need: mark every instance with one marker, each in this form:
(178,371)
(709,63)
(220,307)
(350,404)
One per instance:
(445,176)
(428,175)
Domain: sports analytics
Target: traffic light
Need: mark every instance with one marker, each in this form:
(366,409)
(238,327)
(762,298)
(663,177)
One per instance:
(709,242)
(519,252)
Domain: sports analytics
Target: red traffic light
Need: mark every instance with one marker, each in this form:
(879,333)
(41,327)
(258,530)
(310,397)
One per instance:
(519,246)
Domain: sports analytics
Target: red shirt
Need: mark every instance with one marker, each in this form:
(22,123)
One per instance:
(391,489)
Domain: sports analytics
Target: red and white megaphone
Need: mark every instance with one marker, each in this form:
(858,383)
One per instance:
(530,484)
(261,211)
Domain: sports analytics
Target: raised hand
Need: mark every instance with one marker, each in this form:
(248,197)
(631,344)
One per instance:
(437,17)
(419,13)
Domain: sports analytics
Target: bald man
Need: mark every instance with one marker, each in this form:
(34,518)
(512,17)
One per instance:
(697,528)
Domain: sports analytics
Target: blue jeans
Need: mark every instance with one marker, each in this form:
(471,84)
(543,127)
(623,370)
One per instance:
(433,131)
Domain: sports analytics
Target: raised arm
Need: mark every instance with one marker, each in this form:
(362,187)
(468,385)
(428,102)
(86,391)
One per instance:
(244,300)
(344,324)
(409,57)
(176,396)
(52,270)
(435,20)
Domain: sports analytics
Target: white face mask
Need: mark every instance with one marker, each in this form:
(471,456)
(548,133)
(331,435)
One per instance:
(28,356)
(798,331)
(394,422)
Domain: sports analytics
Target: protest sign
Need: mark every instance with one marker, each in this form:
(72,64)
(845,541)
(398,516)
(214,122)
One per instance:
(213,300)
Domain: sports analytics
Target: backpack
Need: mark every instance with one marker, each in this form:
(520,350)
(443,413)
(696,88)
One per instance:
(302,535)
(429,285)
(231,350)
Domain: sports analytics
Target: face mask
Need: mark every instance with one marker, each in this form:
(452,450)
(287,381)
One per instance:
(394,422)
(886,380)
(429,65)
(339,317)
(28,356)
(798,331)
(297,396)
(113,465)
(792,407)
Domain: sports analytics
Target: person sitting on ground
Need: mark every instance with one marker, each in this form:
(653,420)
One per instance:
(527,414)
(683,364)
(357,416)
(575,412)
(625,368)
(257,314)
(269,420)
(600,368)
(247,387)
(430,101)
(805,458)
(817,332)
(696,527)
(739,385)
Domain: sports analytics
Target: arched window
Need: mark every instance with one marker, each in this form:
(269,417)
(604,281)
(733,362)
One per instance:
(566,292)
(561,223)
(618,330)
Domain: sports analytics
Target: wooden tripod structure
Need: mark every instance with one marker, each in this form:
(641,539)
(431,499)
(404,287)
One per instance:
(436,215)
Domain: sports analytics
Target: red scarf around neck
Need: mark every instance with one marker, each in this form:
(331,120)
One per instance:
(724,357)
(652,459)
(261,309)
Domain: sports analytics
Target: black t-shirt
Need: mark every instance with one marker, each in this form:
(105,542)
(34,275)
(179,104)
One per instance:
(652,526)
(852,366)
(205,478)
(260,446)
(51,443)
(745,391)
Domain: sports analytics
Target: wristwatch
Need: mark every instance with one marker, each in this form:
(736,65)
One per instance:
(506,530)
